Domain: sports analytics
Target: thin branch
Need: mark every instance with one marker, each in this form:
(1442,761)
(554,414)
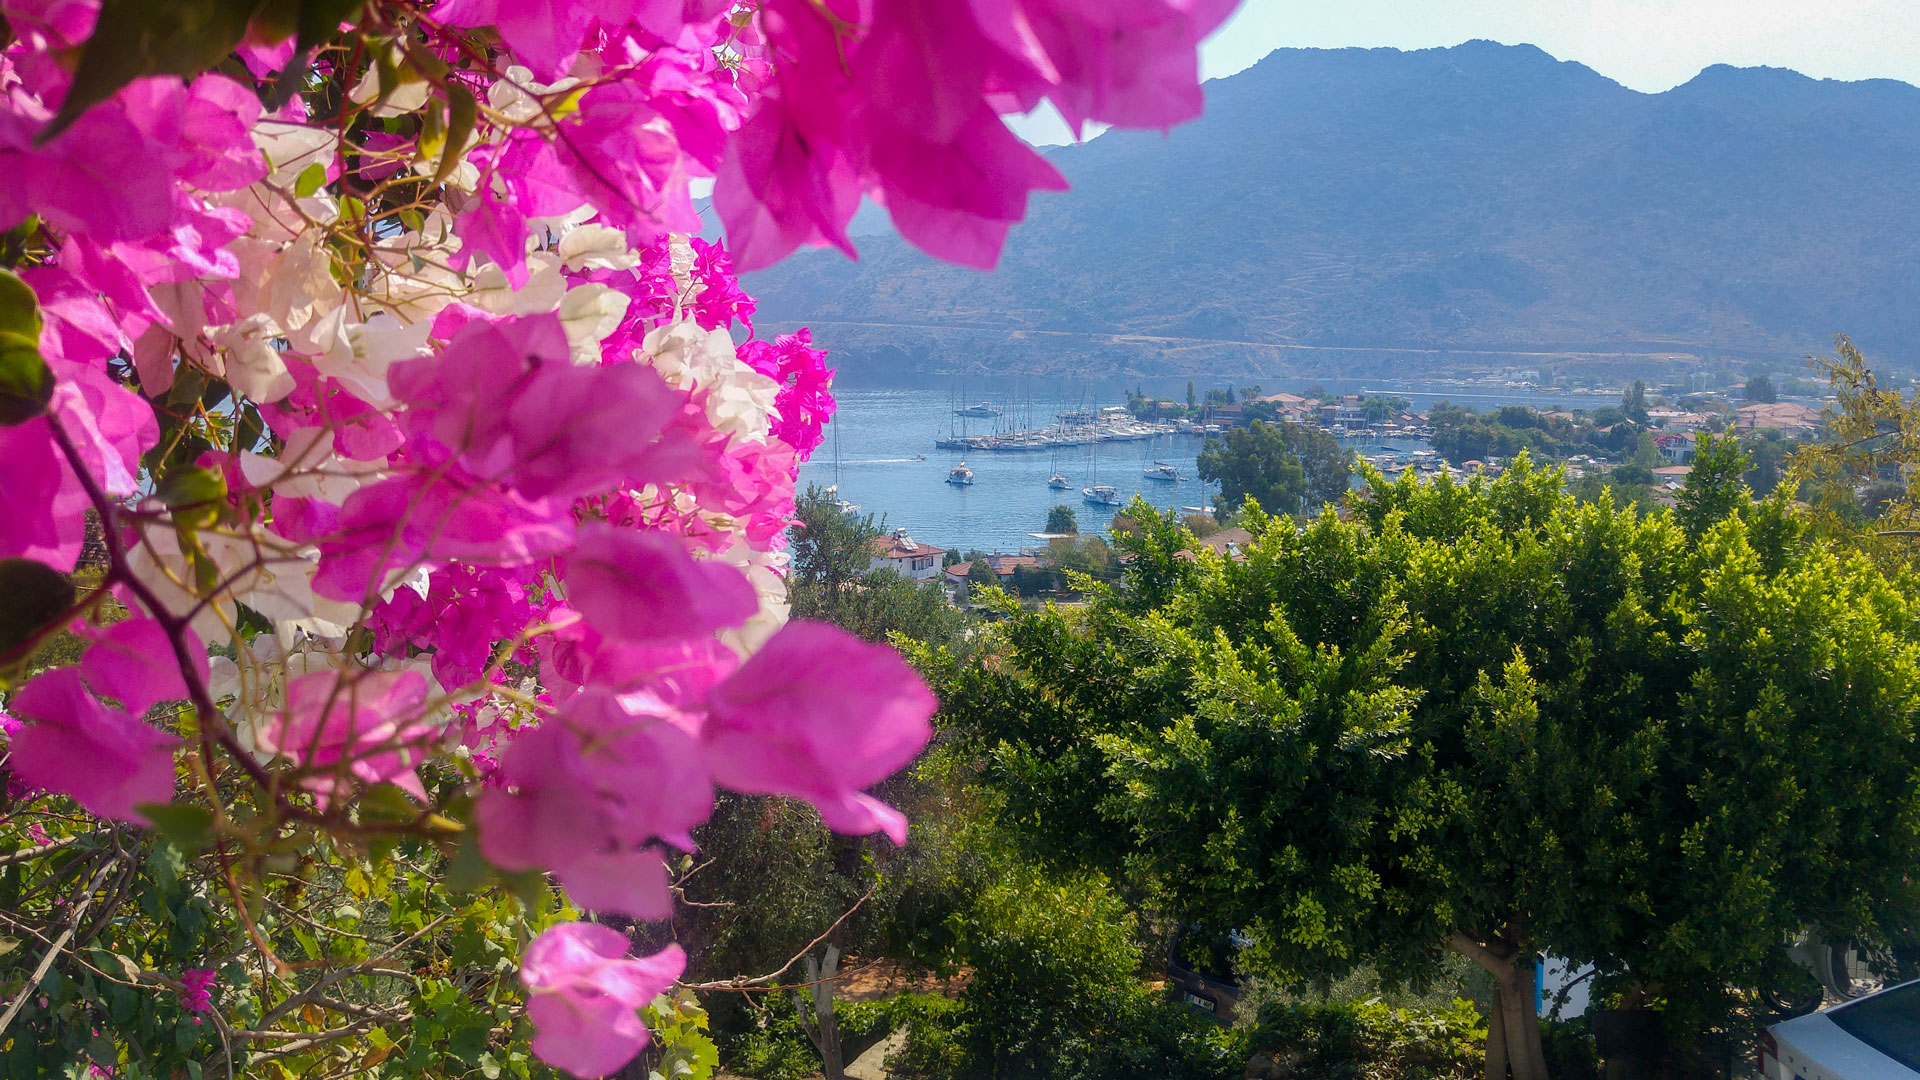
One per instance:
(36,852)
(761,980)
(59,943)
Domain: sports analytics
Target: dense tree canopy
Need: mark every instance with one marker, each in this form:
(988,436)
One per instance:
(1484,718)
(1285,468)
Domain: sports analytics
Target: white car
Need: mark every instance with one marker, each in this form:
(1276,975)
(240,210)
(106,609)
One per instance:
(1876,1037)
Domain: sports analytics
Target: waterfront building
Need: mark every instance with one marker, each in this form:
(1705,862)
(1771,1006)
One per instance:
(914,561)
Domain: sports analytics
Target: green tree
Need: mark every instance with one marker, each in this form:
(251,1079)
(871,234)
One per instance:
(1714,487)
(1872,439)
(1634,402)
(1478,718)
(1770,455)
(1760,389)
(1055,993)
(1192,401)
(830,549)
(1283,467)
(980,578)
(1061,519)
(1384,408)
(833,579)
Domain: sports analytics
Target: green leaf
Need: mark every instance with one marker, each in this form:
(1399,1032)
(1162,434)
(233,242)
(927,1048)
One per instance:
(26,385)
(137,38)
(462,111)
(186,826)
(36,594)
(385,802)
(195,495)
(468,870)
(309,180)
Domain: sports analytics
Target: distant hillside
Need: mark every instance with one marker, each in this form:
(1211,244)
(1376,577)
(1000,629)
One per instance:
(1385,212)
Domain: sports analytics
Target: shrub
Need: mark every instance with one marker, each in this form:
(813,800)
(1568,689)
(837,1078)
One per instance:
(1368,1040)
(1056,994)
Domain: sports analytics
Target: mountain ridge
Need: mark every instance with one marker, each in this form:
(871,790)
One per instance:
(1482,199)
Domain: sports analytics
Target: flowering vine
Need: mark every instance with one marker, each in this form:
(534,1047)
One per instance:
(440,496)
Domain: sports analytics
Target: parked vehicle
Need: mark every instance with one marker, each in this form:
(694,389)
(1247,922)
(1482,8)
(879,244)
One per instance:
(1200,973)
(1876,1037)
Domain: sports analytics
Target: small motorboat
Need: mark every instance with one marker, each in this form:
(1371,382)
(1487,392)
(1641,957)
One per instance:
(960,474)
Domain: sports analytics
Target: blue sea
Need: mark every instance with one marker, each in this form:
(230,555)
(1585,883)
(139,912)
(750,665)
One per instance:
(878,430)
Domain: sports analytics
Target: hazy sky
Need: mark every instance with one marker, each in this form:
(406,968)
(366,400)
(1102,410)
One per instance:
(1649,45)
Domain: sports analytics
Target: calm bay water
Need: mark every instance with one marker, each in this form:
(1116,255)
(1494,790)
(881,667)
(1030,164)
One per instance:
(880,430)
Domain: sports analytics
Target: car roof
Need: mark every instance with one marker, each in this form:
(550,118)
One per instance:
(1888,1021)
(1872,1038)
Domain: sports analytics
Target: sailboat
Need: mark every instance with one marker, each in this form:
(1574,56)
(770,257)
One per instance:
(1160,470)
(1058,481)
(846,508)
(960,475)
(1098,494)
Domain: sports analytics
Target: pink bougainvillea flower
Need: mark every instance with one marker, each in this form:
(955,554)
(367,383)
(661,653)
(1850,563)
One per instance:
(110,175)
(46,513)
(1133,63)
(820,715)
(586,792)
(780,187)
(677,673)
(643,586)
(73,744)
(78,326)
(133,662)
(108,425)
(196,989)
(586,993)
(626,881)
(507,401)
(496,228)
(365,723)
(545,34)
(384,529)
(216,131)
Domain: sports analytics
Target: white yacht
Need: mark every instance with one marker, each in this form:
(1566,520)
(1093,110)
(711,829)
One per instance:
(1160,470)
(847,508)
(1058,482)
(960,474)
(1101,495)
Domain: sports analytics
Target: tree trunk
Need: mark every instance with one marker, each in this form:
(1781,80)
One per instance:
(1497,1041)
(822,1028)
(1514,1025)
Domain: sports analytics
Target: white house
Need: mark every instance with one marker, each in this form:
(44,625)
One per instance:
(916,562)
